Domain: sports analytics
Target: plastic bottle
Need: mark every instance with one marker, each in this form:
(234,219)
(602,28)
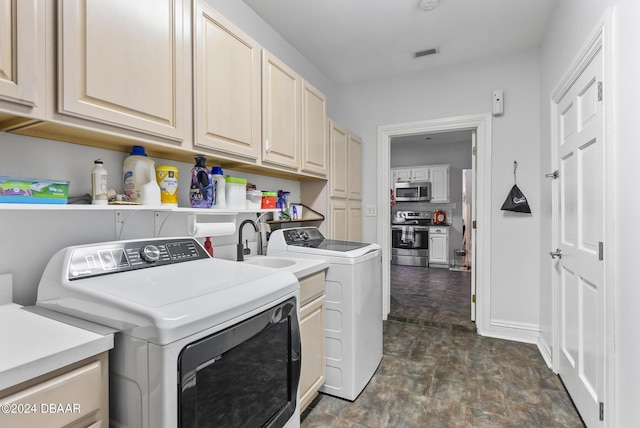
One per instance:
(99,184)
(219,200)
(202,186)
(208,246)
(139,178)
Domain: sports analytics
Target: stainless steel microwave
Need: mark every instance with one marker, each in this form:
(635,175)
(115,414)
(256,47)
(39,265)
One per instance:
(408,191)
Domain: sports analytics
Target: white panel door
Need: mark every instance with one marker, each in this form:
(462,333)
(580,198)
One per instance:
(580,271)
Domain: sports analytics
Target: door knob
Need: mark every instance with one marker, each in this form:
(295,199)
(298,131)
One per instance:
(557,253)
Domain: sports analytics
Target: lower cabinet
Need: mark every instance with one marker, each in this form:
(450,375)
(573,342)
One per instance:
(439,246)
(312,337)
(73,396)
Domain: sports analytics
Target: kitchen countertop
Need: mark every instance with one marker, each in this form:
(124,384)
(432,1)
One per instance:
(300,267)
(34,344)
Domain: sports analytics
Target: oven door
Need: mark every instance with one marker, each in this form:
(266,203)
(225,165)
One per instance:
(410,237)
(244,376)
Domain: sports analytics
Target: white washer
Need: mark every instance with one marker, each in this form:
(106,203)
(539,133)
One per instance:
(353,317)
(201,342)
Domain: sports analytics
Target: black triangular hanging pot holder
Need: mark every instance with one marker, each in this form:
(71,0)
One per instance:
(516,201)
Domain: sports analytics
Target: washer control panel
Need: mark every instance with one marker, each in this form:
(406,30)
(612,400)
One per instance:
(123,256)
(302,234)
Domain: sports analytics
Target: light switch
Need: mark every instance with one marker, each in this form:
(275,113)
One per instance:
(370,211)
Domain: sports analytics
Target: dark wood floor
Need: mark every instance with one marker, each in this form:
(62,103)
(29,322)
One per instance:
(431,296)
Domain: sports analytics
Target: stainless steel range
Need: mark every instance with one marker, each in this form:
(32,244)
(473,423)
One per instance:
(410,238)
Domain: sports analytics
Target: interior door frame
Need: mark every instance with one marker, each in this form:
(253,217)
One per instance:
(599,40)
(481,123)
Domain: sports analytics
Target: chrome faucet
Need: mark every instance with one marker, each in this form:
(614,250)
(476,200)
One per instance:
(241,249)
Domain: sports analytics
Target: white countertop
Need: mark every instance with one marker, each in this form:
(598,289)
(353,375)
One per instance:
(33,345)
(300,267)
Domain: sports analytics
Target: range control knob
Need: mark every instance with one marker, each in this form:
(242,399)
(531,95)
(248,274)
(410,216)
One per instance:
(150,253)
(304,235)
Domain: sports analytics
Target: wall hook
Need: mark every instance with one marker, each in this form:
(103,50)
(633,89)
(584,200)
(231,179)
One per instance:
(515,167)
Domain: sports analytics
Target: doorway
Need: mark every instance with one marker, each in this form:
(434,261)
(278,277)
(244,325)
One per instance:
(435,288)
(481,125)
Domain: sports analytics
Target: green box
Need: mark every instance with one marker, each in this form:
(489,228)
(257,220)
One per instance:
(33,191)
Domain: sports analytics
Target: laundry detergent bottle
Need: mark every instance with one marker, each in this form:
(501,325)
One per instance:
(139,178)
(202,186)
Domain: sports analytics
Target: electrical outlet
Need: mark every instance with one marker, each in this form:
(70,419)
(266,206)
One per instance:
(370,211)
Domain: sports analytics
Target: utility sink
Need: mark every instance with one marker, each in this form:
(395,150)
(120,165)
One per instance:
(272,262)
(298,266)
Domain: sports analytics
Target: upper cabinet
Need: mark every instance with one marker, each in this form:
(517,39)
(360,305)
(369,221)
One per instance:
(339,173)
(22,59)
(315,144)
(227,99)
(440,183)
(126,64)
(355,167)
(280,113)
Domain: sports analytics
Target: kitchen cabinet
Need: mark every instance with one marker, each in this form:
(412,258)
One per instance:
(280,113)
(315,142)
(312,289)
(339,219)
(22,60)
(439,183)
(439,246)
(354,216)
(345,183)
(127,64)
(227,87)
(410,174)
(355,167)
(339,173)
(82,389)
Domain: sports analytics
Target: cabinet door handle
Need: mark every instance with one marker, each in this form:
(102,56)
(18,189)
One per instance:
(267,145)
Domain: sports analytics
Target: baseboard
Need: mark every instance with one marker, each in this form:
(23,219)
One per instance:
(518,332)
(545,351)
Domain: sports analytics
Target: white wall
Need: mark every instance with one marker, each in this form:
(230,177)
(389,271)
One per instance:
(30,237)
(463,90)
(573,21)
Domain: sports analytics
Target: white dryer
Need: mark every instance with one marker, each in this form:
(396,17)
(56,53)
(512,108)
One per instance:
(200,342)
(353,317)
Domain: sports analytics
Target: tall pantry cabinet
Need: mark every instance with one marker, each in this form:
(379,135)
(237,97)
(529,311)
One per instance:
(345,184)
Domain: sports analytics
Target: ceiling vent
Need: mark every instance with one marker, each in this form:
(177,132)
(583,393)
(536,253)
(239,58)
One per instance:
(425,53)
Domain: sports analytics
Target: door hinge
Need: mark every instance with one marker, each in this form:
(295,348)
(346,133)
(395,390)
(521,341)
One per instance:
(473,224)
(473,298)
(599,91)
(555,174)
(600,251)
(475,150)
(601,411)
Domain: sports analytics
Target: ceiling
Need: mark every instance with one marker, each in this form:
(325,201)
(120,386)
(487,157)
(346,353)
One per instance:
(352,41)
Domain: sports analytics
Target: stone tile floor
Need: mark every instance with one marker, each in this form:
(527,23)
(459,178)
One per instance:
(436,372)
(431,296)
(433,377)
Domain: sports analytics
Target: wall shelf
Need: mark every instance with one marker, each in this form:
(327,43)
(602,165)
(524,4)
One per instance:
(315,216)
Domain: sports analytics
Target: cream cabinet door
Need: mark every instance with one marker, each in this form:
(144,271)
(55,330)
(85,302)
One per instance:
(227,96)
(312,342)
(280,113)
(125,63)
(315,153)
(354,232)
(355,167)
(400,174)
(22,55)
(338,176)
(339,219)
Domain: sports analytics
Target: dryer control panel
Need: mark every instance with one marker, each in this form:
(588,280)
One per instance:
(121,256)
